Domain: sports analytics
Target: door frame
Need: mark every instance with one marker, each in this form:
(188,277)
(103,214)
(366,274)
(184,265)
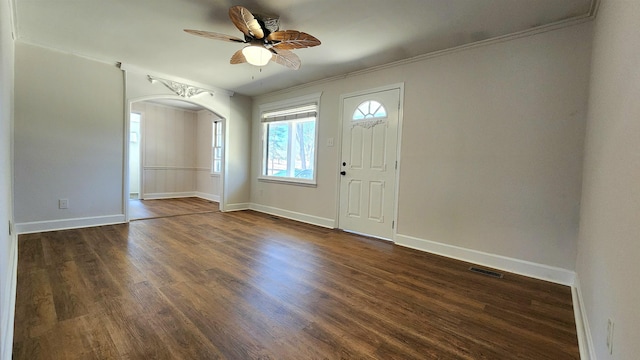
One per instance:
(400,87)
(140,155)
(127,129)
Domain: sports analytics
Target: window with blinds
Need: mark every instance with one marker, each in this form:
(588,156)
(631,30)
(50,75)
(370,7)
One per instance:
(289,143)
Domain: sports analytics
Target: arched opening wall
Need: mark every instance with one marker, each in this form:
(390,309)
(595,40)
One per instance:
(235,112)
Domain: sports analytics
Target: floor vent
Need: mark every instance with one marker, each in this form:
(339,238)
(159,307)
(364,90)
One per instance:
(486,272)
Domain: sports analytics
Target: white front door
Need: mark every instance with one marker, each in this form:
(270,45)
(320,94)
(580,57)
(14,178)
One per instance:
(368,165)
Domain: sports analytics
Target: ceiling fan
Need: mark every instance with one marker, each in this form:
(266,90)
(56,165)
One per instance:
(266,41)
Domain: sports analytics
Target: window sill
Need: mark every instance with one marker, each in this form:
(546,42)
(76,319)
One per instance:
(288,181)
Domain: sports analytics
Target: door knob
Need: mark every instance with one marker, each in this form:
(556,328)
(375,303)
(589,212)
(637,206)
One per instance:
(343,173)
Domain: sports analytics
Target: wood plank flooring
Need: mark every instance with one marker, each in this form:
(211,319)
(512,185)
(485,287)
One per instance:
(246,285)
(150,209)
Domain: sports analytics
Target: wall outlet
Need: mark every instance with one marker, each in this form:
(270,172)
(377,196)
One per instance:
(63,203)
(330,142)
(610,325)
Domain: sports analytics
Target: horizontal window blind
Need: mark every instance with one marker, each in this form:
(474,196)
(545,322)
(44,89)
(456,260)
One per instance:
(300,112)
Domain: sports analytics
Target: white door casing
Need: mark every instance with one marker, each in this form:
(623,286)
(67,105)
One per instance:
(369,163)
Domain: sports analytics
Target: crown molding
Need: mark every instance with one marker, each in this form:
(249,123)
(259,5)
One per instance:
(589,16)
(29,42)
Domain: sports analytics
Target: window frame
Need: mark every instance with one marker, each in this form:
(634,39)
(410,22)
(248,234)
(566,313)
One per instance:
(215,125)
(298,102)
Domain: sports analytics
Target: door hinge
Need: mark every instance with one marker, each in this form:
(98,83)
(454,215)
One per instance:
(396,164)
(393,224)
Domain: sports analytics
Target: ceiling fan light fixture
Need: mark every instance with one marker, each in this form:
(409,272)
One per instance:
(274,47)
(256,55)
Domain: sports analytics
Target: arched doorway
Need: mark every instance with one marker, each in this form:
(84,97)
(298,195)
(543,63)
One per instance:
(175,149)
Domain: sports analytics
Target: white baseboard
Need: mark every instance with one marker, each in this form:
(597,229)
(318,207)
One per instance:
(171,195)
(8,302)
(236,207)
(184,194)
(305,218)
(63,224)
(585,341)
(209,197)
(522,267)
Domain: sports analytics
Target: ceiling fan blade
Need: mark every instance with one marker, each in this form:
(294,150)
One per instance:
(292,39)
(214,36)
(244,20)
(238,58)
(286,58)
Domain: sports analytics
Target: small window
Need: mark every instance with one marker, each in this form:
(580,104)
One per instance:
(289,143)
(216,147)
(370,109)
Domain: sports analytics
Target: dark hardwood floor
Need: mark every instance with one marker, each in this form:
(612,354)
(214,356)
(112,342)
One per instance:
(150,209)
(245,285)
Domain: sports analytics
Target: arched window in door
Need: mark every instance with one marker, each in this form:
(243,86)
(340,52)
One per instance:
(369,109)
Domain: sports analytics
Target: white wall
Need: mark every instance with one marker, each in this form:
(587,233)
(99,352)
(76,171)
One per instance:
(492,147)
(238,154)
(609,241)
(69,139)
(70,143)
(491,156)
(8,243)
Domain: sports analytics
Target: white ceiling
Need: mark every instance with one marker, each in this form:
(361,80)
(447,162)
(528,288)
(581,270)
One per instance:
(355,34)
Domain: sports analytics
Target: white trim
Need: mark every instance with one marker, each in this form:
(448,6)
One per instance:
(169,195)
(42,45)
(287,181)
(63,224)
(305,218)
(236,207)
(9,294)
(185,194)
(126,157)
(142,153)
(209,197)
(522,267)
(215,145)
(585,341)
